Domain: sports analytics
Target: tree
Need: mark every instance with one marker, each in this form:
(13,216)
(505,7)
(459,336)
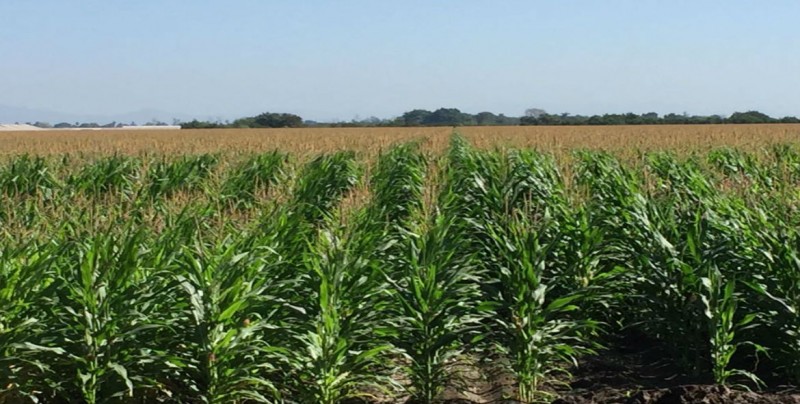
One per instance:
(275,120)
(549,119)
(650,118)
(675,119)
(195,124)
(448,117)
(750,117)
(248,122)
(633,119)
(534,112)
(507,120)
(415,117)
(486,118)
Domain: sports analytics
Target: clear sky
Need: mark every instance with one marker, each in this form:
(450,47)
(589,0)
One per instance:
(338,59)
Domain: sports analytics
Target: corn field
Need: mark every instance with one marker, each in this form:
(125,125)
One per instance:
(335,278)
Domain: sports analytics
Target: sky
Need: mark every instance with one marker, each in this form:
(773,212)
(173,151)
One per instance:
(345,59)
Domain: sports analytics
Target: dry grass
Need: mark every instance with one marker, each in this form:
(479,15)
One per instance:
(370,141)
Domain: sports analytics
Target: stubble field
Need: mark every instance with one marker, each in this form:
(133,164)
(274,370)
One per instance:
(477,264)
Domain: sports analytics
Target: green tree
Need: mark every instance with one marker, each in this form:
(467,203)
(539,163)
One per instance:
(275,120)
(486,118)
(416,117)
(448,117)
(750,117)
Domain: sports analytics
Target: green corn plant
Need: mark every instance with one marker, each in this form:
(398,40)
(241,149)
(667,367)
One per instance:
(577,265)
(690,302)
(721,302)
(604,174)
(474,183)
(534,180)
(322,182)
(437,306)
(776,299)
(684,180)
(397,182)
(253,177)
(667,289)
(541,332)
(616,205)
(786,160)
(24,276)
(336,356)
(397,185)
(26,175)
(187,173)
(741,167)
(228,350)
(488,192)
(660,237)
(20,213)
(734,254)
(291,227)
(101,312)
(534,185)
(111,174)
(284,230)
(474,192)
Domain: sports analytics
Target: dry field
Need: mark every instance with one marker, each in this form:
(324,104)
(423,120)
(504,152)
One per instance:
(680,138)
(683,138)
(295,141)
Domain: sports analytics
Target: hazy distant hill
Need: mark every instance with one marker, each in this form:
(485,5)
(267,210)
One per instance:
(11,114)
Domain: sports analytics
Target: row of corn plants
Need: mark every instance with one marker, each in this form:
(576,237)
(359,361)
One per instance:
(494,260)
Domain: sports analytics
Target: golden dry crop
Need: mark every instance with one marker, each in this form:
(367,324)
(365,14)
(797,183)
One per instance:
(679,138)
(296,141)
(307,141)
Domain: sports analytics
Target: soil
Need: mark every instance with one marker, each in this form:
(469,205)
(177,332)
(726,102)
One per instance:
(709,394)
(631,371)
(634,371)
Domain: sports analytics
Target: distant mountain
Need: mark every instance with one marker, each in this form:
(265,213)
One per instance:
(12,114)
(9,114)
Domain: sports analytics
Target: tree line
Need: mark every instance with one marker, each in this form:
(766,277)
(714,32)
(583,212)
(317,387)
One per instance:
(652,118)
(455,117)
(417,117)
(265,120)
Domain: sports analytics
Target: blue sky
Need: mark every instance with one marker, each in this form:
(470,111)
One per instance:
(338,59)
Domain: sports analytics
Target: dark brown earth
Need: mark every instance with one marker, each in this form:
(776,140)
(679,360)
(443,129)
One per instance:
(678,395)
(631,371)
(634,371)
